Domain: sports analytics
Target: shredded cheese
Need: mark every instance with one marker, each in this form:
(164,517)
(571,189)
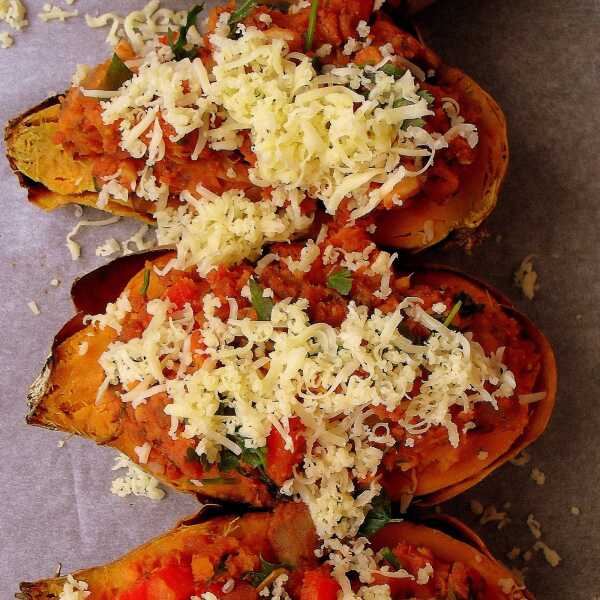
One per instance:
(72,245)
(14,14)
(51,12)
(526,278)
(135,481)
(6,40)
(74,590)
(33,307)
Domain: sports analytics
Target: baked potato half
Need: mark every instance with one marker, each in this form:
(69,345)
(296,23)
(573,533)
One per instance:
(240,557)
(420,462)
(63,151)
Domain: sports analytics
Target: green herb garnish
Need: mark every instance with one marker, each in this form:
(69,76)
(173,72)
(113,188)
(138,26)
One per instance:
(390,557)
(228,461)
(379,516)
(469,307)
(255,578)
(263,306)
(312,25)
(429,97)
(146,282)
(216,480)
(239,14)
(401,102)
(192,456)
(340,281)
(178,46)
(412,123)
(453,312)
(393,70)
(116,75)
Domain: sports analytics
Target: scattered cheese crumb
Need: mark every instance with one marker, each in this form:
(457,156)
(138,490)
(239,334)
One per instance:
(534,526)
(378,4)
(143,452)
(139,241)
(324,50)
(350,46)
(552,557)
(265,18)
(387,50)
(482,455)
(51,12)
(476,507)
(575,510)
(74,590)
(526,277)
(14,14)
(492,515)
(54,282)
(514,553)
(83,348)
(439,308)
(538,476)
(424,574)
(72,245)
(108,247)
(135,481)
(363,29)
(60,443)
(521,459)
(33,307)
(6,40)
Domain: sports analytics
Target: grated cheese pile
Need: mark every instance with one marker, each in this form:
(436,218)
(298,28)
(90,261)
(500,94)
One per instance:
(74,590)
(226,229)
(332,135)
(271,371)
(14,14)
(135,481)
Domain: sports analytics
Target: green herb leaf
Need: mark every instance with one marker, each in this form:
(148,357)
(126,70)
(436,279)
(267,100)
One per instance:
(390,557)
(228,461)
(144,287)
(340,281)
(217,480)
(254,457)
(401,102)
(116,75)
(453,312)
(312,25)
(469,307)
(393,70)
(239,14)
(263,306)
(379,516)
(429,97)
(255,578)
(412,123)
(178,46)
(192,456)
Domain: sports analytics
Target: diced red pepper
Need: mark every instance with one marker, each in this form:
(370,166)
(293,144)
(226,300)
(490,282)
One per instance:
(184,291)
(280,460)
(173,582)
(319,585)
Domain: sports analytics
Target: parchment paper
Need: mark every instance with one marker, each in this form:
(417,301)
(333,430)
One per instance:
(540,61)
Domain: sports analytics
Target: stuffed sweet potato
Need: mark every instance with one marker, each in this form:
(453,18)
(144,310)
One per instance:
(362,115)
(272,555)
(318,373)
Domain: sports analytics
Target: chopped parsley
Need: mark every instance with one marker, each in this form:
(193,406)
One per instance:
(453,312)
(312,25)
(239,14)
(146,283)
(219,480)
(340,281)
(379,516)
(178,46)
(468,307)
(255,578)
(412,123)
(263,306)
(393,70)
(116,75)
(388,555)
(429,97)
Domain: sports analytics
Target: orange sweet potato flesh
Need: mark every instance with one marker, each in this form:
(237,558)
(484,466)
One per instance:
(64,397)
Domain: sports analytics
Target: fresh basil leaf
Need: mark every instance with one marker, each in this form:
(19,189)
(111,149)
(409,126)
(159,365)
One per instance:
(379,516)
(116,75)
(429,97)
(469,307)
(390,557)
(393,70)
(263,306)
(453,312)
(255,578)
(178,46)
(239,14)
(146,283)
(412,123)
(340,281)
(312,25)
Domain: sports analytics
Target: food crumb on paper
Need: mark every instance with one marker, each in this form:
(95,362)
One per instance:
(135,481)
(33,307)
(538,476)
(526,278)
